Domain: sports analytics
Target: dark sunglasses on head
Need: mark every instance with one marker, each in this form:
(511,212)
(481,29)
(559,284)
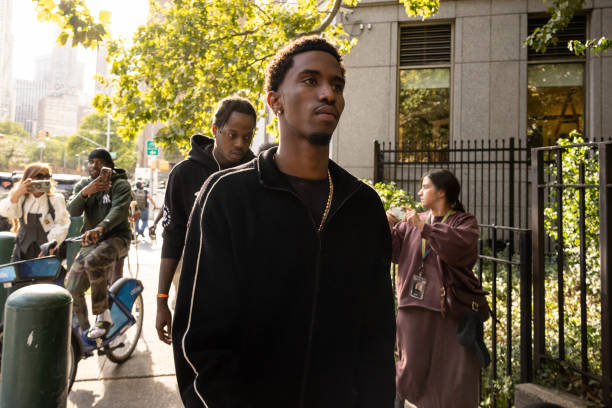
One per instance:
(42,176)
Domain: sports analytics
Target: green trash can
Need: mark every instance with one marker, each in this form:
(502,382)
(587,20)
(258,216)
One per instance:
(36,345)
(7,242)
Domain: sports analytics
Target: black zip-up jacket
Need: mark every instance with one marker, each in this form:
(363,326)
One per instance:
(271,313)
(184,183)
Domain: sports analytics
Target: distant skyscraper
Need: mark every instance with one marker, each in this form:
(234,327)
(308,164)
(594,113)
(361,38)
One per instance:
(28,94)
(7,96)
(58,114)
(102,69)
(61,69)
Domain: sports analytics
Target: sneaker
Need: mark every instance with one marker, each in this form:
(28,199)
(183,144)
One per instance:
(102,326)
(99,330)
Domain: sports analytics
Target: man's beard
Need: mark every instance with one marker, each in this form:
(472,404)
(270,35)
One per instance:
(319,139)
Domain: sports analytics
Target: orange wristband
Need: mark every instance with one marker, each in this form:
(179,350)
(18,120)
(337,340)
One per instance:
(162,295)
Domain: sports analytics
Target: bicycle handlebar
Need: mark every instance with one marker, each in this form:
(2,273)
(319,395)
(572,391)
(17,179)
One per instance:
(48,246)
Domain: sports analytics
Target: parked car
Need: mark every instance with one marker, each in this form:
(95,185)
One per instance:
(66,183)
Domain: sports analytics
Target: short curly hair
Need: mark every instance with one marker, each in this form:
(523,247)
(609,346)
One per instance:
(229,105)
(282,62)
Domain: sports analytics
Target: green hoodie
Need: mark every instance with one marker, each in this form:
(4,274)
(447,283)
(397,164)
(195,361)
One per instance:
(108,209)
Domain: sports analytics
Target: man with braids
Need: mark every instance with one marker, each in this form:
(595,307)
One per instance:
(310,325)
(233,126)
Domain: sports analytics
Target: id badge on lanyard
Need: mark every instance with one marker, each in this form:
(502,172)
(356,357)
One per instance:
(418,282)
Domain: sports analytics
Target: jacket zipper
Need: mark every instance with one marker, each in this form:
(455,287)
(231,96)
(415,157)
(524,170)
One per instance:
(316,287)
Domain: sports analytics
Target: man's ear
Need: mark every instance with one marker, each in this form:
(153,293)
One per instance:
(274,101)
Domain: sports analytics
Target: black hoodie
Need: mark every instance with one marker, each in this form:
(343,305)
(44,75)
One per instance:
(271,313)
(184,183)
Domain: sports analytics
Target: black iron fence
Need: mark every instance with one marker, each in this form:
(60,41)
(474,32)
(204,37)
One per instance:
(493,174)
(572,207)
(504,267)
(563,194)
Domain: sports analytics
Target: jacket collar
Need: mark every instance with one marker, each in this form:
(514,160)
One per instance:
(270,176)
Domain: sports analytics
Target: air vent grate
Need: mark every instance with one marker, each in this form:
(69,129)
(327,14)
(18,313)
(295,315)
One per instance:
(576,30)
(425,45)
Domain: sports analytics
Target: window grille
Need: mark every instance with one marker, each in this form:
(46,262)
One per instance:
(425,45)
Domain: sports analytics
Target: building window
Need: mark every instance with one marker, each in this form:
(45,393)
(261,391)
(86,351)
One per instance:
(555,87)
(424,87)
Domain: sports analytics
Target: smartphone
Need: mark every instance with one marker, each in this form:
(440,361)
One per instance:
(40,186)
(398,212)
(105,173)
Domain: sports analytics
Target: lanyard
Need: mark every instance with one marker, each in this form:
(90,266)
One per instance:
(425,253)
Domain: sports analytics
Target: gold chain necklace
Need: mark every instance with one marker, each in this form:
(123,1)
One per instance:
(329,198)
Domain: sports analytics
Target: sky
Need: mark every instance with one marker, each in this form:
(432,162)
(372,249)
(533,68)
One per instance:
(33,38)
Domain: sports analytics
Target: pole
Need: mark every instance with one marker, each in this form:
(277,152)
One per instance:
(605,237)
(108,132)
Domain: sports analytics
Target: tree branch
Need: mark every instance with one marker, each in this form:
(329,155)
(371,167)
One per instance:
(328,20)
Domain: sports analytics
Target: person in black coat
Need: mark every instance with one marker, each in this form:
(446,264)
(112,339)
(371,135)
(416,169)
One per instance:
(312,324)
(233,127)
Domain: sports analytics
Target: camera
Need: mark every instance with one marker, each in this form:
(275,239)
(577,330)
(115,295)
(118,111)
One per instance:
(40,186)
(105,173)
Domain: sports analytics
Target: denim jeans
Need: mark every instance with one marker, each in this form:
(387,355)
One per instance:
(142,222)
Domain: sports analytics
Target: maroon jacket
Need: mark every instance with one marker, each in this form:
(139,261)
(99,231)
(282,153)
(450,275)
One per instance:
(454,248)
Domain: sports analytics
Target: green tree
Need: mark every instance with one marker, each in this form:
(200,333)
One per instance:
(14,141)
(93,127)
(75,21)
(192,53)
(561,13)
(54,151)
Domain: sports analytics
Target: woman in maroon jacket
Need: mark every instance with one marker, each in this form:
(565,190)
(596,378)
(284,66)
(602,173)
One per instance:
(434,370)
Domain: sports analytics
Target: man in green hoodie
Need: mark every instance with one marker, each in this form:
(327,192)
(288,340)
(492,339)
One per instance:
(106,237)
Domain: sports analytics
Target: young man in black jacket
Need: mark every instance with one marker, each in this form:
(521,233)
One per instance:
(233,127)
(312,324)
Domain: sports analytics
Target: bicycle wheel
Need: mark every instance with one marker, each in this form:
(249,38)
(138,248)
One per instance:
(73,362)
(122,346)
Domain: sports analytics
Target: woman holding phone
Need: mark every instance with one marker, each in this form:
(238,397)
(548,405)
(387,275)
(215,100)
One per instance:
(40,211)
(434,370)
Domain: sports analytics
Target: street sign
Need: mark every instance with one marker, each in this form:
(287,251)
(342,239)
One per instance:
(152,150)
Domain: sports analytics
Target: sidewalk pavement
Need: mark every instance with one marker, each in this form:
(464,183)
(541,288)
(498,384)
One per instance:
(145,380)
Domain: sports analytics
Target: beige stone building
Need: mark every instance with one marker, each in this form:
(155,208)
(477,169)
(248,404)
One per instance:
(58,114)
(464,74)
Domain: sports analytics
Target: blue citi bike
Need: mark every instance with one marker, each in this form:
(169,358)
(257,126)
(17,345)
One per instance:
(125,302)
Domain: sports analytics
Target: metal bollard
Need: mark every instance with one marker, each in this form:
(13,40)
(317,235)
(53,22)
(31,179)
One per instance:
(7,241)
(36,346)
